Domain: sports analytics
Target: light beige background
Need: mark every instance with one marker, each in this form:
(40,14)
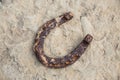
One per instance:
(20,20)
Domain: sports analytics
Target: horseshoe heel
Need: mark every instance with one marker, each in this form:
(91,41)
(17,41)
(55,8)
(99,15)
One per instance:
(66,60)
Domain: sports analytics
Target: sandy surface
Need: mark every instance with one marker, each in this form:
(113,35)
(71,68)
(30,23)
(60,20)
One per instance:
(20,20)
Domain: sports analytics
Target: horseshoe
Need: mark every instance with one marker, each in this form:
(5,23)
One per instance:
(66,60)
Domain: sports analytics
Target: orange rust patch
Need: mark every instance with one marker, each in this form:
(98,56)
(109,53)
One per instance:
(44,58)
(67,62)
(52,60)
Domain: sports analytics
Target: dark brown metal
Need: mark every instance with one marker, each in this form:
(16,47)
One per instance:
(61,61)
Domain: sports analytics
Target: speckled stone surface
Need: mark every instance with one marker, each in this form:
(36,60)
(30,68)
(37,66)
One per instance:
(20,20)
